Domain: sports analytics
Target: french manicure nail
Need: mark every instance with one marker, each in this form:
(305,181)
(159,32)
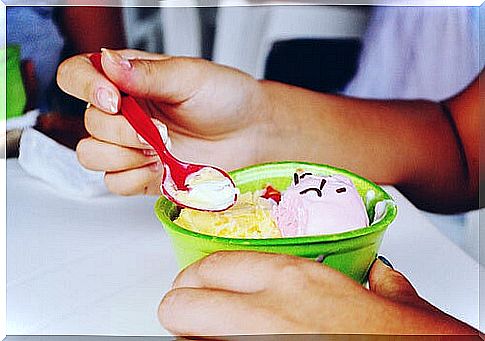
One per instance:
(107,100)
(142,140)
(162,129)
(149,152)
(385,261)
(117,59)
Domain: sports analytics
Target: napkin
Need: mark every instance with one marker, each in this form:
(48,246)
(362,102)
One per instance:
(27,120)
(57,166)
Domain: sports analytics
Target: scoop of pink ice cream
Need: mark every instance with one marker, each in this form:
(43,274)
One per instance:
(315,205)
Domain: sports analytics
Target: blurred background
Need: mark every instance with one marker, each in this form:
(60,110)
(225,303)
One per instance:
(311,46)
(362,51)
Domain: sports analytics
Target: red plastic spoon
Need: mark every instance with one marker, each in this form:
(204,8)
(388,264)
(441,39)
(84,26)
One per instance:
(200,187)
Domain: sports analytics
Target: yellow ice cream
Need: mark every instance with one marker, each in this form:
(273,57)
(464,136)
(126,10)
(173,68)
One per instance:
(250,217)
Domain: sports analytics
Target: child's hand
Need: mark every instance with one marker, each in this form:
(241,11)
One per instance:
(243,293)
(214,114)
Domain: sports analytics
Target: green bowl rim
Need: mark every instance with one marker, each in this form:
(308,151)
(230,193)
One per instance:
(381,225)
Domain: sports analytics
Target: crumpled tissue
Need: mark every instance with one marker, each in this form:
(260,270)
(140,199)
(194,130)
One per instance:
(57,165)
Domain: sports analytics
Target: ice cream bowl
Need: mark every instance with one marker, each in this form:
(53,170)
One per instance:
(351,253)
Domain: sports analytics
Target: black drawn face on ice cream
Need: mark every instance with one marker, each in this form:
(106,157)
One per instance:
(332,187)
(317,204)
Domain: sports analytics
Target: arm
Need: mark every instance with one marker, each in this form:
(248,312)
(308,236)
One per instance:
(91,28)
(86,29)
(431,156)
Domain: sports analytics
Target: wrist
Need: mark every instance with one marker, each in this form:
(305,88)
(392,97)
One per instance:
(277,123)
(266,127)
(298,123)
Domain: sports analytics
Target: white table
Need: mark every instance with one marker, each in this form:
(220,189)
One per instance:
(101,266)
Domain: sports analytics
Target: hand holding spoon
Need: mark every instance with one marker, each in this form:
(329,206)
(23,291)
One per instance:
(200,187)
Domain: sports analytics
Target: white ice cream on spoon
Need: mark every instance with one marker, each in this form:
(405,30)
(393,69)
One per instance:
(207,189)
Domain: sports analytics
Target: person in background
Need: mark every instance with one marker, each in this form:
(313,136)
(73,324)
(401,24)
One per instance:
(401,48)
(33,29)
(211,111)
(46,35)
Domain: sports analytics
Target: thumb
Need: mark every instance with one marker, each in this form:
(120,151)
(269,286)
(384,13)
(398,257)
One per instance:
(388,283)
(171,80)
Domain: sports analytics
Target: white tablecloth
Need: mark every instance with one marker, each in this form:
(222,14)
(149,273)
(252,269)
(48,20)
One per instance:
(101,266)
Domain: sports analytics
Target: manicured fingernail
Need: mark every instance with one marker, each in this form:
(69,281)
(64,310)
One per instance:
(116,59)
(156,167)
(107,99)
(162,129)
(385,261)
(320,259)
(149,152)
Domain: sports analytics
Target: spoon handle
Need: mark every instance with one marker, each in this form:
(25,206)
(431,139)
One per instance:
(135,115)
(142,124)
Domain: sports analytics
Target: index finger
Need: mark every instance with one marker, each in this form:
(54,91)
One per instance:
(79,78)
(115,129)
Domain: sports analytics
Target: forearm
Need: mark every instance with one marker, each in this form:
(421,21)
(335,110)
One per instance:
(410,144)
(91,28)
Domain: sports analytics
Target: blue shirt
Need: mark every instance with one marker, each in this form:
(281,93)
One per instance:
(34,30)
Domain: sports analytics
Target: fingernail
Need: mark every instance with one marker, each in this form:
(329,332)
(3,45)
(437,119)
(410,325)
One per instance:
(385,261)
(320,259)
(149,152)
(142,140)
(116,59)
(162,129)
(156,167)
(107,100)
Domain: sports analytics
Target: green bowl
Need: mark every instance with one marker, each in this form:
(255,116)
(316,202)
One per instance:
(351,253)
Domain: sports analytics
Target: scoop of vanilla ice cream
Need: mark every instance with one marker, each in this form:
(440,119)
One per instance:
(315,205)
(250,217)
